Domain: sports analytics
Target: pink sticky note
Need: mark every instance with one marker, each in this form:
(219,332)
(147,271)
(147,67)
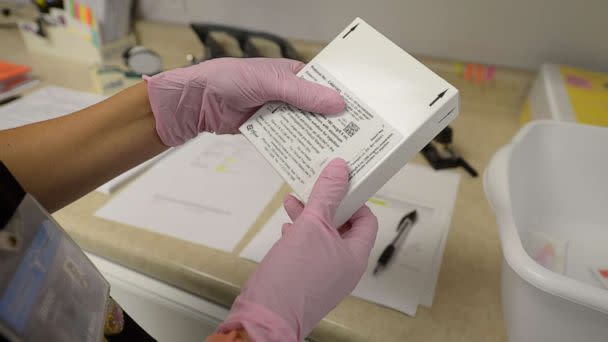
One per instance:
(479,73)
(468,74)
(602,275)
(490,70)
(578,81)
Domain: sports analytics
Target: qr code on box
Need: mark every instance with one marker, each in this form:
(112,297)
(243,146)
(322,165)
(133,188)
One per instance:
(351,129)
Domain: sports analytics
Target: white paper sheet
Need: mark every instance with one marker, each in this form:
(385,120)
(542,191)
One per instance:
(547,250)
(428,294)
(584,251)
(266,237)
(210,191)
(18,89)
(112,185)
(437,190)
(400,284)
(411,278)
(44,104)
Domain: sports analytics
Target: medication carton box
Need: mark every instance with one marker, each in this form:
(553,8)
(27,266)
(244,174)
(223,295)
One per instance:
(394,107)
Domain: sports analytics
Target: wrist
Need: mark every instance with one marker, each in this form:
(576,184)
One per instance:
(144,100)
(260,323)
(176,105)
(242,333)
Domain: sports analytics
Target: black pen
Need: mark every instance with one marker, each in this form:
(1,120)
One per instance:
(405,225)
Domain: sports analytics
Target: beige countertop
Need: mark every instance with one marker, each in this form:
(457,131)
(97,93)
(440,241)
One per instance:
(467,305)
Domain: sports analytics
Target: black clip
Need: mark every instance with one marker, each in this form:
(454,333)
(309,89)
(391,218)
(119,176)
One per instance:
(213,49)
(445,158)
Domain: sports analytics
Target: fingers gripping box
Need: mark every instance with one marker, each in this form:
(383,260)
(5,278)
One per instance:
(394,107)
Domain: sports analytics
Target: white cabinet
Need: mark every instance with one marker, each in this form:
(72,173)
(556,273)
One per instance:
(165,312)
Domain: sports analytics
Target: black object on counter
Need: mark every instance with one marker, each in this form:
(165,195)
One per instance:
(444,157)
(213,49)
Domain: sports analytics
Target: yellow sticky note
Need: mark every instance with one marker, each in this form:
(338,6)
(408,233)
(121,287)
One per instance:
(83,13)
(458,67)
(588,93)
(526,113)
(221,168)
(378,202)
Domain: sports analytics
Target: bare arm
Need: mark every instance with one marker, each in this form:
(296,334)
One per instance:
(62,159)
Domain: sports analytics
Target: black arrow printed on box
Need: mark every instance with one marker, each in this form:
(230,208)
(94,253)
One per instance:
(349,31)
(438,97)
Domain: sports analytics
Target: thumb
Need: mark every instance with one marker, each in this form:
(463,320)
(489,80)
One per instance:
(293,207)
(362,235)
(329,190)
(307,95)
(286,227)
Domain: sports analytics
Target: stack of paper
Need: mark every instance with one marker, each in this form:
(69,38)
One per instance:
(14,78)
(44,104)
(410,278)
(210,191)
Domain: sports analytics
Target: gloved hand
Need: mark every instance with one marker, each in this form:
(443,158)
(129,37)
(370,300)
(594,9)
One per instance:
(220,94)
(310,269)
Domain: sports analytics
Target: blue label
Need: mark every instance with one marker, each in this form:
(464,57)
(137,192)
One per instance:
(25,286)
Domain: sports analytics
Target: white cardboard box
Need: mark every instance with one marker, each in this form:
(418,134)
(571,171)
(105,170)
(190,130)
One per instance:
(395,106)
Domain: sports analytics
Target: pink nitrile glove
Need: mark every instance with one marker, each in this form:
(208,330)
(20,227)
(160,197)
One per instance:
(219,95)
(310,269)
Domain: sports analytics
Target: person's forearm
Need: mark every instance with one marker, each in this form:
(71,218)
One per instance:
(62,159)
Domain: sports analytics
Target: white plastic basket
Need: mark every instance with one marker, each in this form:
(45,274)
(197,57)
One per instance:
(553,178)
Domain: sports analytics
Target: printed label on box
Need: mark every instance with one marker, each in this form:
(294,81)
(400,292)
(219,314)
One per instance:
(299,144)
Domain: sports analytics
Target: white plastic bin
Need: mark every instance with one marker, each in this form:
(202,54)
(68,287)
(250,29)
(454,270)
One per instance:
(553,178)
